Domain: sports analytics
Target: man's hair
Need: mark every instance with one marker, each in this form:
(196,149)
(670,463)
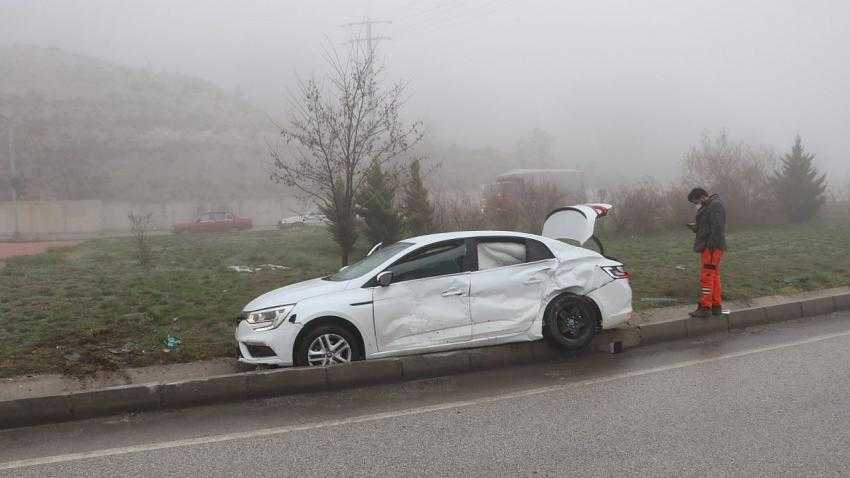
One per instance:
(696,194)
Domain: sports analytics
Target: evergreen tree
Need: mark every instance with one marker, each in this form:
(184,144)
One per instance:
(417,208)
(798,186)
(376,205)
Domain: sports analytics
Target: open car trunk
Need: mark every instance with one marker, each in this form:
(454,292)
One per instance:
(576,224)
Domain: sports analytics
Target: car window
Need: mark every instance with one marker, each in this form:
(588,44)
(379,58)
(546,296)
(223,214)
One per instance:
(430,261)
(537,251)
(496,253)
(492,253)
(204,217)
(369,263)
(218,216)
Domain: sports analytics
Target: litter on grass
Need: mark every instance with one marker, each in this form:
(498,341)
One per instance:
(171,342)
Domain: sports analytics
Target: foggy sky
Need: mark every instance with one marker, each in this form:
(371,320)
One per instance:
(624,86)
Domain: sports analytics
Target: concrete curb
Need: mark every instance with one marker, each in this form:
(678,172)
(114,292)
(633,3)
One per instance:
(270,383)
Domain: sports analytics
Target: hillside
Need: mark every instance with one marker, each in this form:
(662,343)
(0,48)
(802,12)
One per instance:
(88,128)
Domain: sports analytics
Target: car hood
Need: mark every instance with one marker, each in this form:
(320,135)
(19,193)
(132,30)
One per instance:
(293,293)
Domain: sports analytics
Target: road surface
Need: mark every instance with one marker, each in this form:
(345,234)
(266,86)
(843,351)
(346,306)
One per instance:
(765,401)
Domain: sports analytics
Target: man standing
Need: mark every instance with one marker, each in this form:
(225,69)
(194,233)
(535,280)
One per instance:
(710,243)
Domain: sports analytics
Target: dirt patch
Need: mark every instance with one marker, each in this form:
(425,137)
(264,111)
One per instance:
(11,249)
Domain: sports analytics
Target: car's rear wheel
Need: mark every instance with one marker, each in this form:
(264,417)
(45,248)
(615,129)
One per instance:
(327,345)
(571,322)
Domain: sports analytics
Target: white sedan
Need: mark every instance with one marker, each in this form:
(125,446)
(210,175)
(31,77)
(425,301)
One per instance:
(445,291)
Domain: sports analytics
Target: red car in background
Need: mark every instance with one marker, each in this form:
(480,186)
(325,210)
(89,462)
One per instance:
(214,222)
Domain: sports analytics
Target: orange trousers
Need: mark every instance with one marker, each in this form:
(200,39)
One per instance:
(712,291)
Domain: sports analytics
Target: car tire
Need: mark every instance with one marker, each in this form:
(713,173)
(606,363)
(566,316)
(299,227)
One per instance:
(571,322)
(327,345)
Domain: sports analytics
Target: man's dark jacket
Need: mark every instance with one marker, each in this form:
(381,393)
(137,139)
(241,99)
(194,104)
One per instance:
(711,226)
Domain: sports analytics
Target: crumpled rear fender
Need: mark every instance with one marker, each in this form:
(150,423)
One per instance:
(580,276)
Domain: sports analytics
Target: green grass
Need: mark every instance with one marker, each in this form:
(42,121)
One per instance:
(759,262)
(64,311)
(74,311)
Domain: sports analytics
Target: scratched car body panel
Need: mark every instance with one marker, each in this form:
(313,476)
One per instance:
(442,292)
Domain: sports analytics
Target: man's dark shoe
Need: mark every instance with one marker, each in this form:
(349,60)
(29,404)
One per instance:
(717,310)
(701,313)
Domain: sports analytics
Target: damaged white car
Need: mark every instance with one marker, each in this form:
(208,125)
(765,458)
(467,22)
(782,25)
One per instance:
(446,291)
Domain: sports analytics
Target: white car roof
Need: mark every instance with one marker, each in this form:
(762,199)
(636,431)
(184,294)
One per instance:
(447,236)
(559,248)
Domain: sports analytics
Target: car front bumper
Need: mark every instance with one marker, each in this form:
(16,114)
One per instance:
(272,347)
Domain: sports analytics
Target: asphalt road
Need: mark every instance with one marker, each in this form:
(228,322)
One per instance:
(766,401)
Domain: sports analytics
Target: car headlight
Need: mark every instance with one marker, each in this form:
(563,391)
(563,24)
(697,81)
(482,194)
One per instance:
(267,319)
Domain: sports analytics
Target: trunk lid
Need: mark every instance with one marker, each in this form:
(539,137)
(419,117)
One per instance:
(574,223)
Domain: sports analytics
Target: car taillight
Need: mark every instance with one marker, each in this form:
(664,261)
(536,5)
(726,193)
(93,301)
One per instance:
(617,272)
(601,210)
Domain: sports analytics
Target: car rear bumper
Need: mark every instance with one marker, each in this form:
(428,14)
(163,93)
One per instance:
(615,302)
(272,347)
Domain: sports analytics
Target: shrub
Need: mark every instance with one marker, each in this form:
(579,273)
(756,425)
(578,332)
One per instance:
(524,207)
(454,211)
(140,224)
(738,172)
(641,208)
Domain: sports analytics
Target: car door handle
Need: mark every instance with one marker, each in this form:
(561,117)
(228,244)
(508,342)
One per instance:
(532,281)
(451,293)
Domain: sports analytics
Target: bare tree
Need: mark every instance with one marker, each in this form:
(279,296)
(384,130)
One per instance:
(338,127)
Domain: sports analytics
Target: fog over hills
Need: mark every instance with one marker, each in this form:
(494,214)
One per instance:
(623,88)
(89,128)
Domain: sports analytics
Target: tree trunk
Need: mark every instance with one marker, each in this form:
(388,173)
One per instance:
(345,251)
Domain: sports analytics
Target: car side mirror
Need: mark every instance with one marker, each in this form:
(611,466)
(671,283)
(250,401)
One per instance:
(385,278)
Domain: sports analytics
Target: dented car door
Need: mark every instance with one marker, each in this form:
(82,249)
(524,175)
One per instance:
(507,288)
(427,303)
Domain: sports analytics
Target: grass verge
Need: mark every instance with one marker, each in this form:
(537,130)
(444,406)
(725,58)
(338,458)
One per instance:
(93,307)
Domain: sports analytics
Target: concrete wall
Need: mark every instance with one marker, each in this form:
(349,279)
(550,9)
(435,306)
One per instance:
(40,220)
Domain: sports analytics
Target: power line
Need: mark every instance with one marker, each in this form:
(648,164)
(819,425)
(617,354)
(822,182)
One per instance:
(370,39)
(450,16)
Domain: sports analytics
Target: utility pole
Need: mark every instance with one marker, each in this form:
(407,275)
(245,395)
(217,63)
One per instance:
(14,176)
(371,41)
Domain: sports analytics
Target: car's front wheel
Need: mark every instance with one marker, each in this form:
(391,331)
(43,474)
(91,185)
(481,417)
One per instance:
(571,322)
(327,345)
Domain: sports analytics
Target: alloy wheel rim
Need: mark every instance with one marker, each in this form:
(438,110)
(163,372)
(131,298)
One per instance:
(328,349)
(572,322)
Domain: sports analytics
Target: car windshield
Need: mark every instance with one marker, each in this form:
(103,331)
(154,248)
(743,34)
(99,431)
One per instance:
(370,262)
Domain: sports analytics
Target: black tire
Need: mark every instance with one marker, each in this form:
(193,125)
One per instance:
(302,348)
(571,322)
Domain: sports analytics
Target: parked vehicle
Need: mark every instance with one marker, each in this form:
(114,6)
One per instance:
(308,219)
(214,222)
(445,291)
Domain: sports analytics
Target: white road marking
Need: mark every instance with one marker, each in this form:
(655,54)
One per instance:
(265,432)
